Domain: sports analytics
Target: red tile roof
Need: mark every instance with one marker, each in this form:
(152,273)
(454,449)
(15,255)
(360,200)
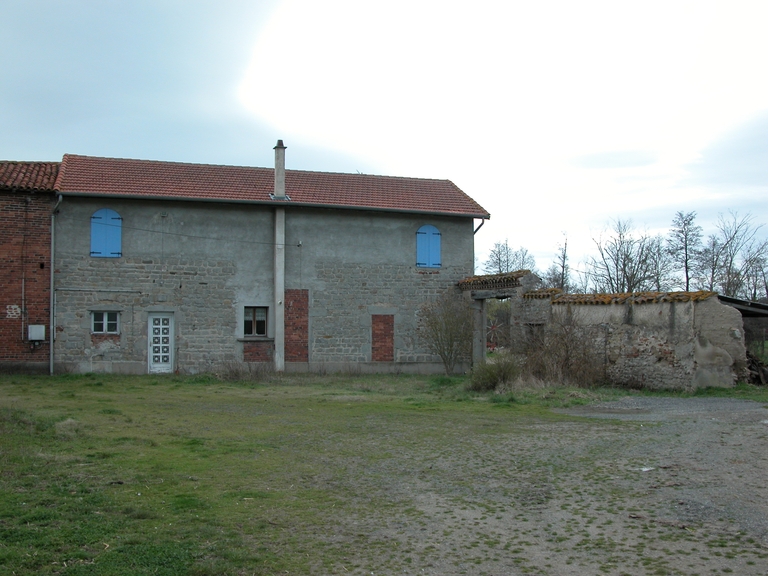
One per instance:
(30,176)
(633,297)
(493,281)
(89,175)
(543,293)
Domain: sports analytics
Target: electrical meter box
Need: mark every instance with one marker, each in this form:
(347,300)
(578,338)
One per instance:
(36,332)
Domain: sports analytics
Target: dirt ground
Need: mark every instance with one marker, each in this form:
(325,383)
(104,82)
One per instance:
(638,486)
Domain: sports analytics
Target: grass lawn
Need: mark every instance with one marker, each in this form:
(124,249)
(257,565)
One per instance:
(107,474)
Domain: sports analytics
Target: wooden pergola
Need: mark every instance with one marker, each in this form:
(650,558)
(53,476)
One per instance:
(480,289)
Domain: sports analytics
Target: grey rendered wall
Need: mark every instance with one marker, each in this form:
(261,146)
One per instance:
(719,347)
(648,345)
(205,262)
(525,315)
(356,264)
(202,262)
(668,345)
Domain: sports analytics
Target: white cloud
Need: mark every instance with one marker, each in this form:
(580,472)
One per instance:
(504,98)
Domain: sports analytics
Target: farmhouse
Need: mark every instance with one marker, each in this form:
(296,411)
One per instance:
(144,266)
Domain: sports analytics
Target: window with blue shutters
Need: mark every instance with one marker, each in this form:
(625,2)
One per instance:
(106,234)
(428,247)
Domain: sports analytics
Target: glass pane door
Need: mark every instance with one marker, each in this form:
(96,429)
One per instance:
(160,340)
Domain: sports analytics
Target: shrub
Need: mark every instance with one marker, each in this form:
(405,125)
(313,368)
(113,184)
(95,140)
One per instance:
(564,352)
(501,369)
(446,328)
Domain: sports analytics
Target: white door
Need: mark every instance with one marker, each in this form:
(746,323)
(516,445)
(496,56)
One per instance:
(160,340)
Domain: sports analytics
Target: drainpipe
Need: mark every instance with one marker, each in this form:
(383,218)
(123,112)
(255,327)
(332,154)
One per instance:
(52,303)
(24,311)
(279,252)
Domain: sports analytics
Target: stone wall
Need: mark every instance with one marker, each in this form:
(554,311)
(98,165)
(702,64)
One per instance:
(663,345)
(195,291)
(357,265)
(719,347)
(342,312)
(526,313)
(203,263)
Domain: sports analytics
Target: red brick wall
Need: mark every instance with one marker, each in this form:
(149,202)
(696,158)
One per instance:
(258,351)
(25,258)
(98,339)
(382,337)
(297,325)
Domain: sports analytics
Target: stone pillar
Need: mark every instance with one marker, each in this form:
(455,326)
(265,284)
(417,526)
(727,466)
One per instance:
(479,323)
(279,289)
(279,194)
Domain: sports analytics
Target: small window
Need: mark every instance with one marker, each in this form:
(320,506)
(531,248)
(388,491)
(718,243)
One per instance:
(255,321)
(428,247)
(105,323)
(106,234)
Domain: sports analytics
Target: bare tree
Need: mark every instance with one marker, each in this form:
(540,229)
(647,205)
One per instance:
(582,280)
(741,251)
(502,259)
(446,327)
(660,267)
(522,260)
(733,259)
(755,281)
(558,275)
(684,243)
(628,261)
(708,264)
(499,259)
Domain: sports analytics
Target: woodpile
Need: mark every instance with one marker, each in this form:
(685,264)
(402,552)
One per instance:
(757,371)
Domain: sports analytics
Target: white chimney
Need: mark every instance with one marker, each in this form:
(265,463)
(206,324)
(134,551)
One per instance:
(279,171)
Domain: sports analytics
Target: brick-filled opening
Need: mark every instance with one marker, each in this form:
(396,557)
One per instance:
(297,325)
(383,337)
(259,351)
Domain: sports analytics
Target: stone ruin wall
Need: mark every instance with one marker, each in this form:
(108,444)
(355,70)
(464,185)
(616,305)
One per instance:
(655,345)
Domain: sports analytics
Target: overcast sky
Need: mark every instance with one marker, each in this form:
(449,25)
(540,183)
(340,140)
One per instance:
(555,116)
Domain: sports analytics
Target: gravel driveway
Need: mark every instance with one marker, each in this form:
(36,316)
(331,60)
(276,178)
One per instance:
(632,487)
(705,473)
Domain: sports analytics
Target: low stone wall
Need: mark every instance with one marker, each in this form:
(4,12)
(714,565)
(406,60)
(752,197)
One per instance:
(663,345)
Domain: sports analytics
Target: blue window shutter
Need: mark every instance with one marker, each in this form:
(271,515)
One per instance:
(434,249)
(106,234)
(97,234)
(428,247)
(422,248)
